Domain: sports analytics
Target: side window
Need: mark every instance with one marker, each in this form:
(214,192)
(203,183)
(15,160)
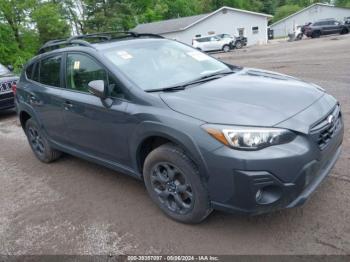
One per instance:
(29,71)
(255,30)
(50,71)
(81,70)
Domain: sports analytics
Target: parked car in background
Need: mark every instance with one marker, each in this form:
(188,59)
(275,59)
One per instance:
(213,43)
(325,27)
(201,134)
(347,21)
(7,83)
(236,41)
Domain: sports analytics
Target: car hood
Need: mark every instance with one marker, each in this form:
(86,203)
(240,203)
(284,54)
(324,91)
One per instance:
(250,97)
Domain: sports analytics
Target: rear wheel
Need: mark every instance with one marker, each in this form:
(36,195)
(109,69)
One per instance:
(226,48)
(39,144)
(344,31)
(173,182)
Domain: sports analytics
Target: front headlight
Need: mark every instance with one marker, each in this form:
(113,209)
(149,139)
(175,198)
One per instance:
(250,138)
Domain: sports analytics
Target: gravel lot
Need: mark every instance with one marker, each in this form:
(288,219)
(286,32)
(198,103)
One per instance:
(75,207)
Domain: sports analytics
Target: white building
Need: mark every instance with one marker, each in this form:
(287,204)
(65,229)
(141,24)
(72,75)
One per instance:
(309,14)
(224,20)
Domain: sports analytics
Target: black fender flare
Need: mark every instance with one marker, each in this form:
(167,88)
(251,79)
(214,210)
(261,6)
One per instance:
(149,129)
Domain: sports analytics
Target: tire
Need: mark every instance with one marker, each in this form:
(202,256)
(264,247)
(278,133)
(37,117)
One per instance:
(226,48)
(239,45)
(344,31)
(316,34)
(173,183)
(39,144)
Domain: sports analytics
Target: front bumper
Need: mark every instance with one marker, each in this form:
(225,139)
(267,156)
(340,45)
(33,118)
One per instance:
(274,178)
(7,100)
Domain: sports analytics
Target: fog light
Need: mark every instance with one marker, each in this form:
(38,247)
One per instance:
(258,195)
(268,195)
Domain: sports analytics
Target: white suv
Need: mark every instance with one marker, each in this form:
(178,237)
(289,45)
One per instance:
(212,43)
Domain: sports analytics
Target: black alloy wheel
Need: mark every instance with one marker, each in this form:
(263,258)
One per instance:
(172,188)
(36,141)
(175,185)
(39,144)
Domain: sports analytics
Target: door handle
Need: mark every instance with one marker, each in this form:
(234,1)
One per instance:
(67,105)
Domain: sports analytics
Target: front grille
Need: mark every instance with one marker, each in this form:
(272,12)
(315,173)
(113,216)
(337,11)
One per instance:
(325,129)
(6,86)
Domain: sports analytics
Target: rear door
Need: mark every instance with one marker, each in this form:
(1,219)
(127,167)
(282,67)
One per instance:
(214,44)
(43,94)
(205,43)
(95,126)
(327,27)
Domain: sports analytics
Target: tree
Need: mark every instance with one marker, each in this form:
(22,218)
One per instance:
(15,13)
(343,3)
(107,15)
(285,11)
(50,22)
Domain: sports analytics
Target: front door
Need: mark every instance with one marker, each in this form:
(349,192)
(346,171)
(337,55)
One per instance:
(94,126)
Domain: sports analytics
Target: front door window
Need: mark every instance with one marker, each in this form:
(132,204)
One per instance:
(81,70)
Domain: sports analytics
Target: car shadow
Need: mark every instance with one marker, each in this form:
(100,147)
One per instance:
(7,114)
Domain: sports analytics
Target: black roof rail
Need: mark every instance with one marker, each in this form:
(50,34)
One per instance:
(111,35)
(99,37)
(56,44)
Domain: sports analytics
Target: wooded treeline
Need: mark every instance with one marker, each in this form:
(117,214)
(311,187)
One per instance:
(26,24)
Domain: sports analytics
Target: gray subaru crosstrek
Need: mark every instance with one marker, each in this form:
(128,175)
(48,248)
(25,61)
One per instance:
(200,133)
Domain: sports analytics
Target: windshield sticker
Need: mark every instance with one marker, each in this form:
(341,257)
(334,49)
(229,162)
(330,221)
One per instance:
(198,56)
(76,65)
(125,55)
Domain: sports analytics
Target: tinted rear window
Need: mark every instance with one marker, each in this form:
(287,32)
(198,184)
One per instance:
(50,71)
(206,39)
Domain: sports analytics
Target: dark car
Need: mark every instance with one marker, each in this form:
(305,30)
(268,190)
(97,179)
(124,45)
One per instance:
(7,81)
(200,133)
(347,22)
(325,27)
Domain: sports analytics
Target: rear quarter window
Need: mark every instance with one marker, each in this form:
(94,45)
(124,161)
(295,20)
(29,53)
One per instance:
(29,71)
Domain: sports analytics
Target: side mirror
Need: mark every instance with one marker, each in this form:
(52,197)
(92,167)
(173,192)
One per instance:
(97,88)
(10,67)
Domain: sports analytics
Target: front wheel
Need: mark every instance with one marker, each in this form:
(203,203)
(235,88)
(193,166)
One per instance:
(39,144)
(226,48)
(174,184)
(239,45)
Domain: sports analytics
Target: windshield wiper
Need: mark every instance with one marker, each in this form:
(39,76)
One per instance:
(193,82)
(167,89)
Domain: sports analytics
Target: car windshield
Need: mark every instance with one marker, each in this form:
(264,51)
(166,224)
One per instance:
(3,70)
(162,63)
